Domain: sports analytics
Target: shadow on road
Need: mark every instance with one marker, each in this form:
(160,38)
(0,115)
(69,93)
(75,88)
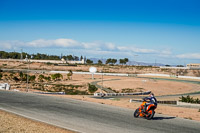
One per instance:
(163,118)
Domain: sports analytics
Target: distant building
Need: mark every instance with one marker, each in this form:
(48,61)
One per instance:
(4,86)
(165,67)
(76,62)
(62,61)
(193,66)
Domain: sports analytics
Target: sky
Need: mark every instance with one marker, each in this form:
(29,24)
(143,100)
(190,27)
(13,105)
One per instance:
(162,31)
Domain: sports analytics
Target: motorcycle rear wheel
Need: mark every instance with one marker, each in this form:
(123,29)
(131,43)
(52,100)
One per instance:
(136,113)
(150,114)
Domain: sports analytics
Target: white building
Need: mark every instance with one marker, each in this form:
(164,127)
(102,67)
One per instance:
(62,61)
(4,86)
(76,62)
(193,66)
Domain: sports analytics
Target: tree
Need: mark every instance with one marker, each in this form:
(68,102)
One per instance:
(81,58)
(69,57)
(179,66)
(108,61)
(88,61)
(99,62)
(114,61)
(123,61)
(126,60)
(111,61)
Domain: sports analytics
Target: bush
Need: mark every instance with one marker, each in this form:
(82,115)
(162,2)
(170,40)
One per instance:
(112,90)
(189,99)
(128,90)
(1,75)
(32,78)
(16,79)
(92,88)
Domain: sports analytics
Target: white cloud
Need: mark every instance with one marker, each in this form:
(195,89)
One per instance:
(39,43)
(66,42)
(110,46)
(136,50)
(53,43)
(189,56)
(94,46)
(98,47)
(5,45)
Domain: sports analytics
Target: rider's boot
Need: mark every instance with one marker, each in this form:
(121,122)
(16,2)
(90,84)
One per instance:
(144,109)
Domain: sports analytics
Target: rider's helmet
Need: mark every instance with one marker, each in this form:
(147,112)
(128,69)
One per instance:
(151,94)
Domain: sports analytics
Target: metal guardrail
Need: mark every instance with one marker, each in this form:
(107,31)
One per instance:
(57,93)
(121,94)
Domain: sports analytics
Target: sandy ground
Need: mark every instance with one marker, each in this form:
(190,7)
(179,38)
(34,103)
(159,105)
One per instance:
(158,87)
(11,123)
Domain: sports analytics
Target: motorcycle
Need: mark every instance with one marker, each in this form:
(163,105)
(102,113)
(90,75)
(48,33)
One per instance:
(148,114)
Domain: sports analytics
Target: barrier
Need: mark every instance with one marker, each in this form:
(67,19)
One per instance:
(121,94)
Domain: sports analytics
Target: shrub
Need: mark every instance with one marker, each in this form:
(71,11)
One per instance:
(112,90)
(56,76)
(128,90)
(16,79)
(1,76)
(92,88)
(32,78)
(189,99)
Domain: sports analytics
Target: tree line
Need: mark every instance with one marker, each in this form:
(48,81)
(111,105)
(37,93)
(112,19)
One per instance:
(38,56)
(109,61)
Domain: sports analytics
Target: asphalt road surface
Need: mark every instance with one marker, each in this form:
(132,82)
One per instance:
(89,117)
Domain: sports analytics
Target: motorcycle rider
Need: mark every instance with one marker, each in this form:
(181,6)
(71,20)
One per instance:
(151,99)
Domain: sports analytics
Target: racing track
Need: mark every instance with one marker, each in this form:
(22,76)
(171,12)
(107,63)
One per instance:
(89,117)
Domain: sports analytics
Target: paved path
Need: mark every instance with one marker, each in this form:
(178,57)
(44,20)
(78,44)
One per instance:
(103,88)
(90,117)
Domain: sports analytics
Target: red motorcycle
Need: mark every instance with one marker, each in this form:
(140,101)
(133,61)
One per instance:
(148,114)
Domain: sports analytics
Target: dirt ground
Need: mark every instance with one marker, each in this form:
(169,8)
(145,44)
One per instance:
(11,123)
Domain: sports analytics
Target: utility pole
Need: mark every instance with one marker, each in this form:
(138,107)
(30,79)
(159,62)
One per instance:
(27,87)
(101,80)
(21,54)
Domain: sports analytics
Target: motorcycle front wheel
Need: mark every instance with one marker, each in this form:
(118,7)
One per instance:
(136,113)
